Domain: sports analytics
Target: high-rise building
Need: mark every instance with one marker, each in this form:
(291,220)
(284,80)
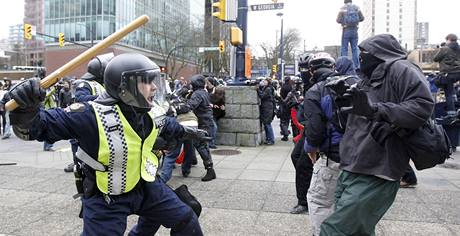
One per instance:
(35,48)
(15,35)
(396,17)
(421,33)
(89,21)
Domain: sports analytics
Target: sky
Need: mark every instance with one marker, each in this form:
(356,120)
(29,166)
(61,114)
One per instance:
(314,18)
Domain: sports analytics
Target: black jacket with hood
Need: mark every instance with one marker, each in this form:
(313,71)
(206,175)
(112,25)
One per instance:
(315,124)
(199,103)
(400,91)
(449,58)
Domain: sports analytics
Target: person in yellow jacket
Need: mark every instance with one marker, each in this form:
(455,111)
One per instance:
(116,136)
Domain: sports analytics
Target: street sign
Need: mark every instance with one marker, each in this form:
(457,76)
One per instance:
(206,49)
(265,7)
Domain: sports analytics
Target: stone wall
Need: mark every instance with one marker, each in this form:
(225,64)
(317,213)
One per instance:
(241,124)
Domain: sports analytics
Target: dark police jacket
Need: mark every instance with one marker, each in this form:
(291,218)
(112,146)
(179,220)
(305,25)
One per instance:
(399,90)
(79,122)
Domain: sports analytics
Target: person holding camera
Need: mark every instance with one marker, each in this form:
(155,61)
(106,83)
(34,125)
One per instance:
(393,93)
(449,66)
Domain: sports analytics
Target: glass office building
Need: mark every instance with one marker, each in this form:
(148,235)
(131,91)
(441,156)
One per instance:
(85,21)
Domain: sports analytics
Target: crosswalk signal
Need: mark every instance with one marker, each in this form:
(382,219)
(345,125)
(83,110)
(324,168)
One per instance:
(274,69)
(221,46)
(61,39)
(28,31)
(221,10)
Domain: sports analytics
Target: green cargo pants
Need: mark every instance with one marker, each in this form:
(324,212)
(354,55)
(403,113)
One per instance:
(360,202)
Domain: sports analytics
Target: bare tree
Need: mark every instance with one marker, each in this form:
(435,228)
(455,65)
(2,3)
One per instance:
(291,39)
(177,44)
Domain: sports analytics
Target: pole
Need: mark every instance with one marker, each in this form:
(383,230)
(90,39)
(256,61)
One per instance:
(242,22)
(281,68)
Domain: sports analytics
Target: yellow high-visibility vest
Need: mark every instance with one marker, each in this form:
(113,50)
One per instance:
(122,151)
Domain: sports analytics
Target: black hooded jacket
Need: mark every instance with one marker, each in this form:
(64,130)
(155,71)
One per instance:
(315,122)
(400,91)
(449,58)
(199,103)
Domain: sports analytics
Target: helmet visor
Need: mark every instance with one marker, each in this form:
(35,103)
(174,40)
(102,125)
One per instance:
(138,88)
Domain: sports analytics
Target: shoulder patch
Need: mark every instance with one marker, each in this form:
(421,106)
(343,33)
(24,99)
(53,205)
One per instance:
(76,107)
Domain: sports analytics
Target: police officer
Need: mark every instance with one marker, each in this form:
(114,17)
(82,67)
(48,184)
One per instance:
(200,104)
(87,89)
(116,135)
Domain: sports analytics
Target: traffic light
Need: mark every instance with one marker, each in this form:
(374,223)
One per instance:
(162,69)
(221,46)
(28,31)
(274,70)
(61,39)
(221,12)
(236,36)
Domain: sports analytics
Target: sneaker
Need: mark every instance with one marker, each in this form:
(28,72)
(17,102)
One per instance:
(194,162)
(69,168)
(269,143)
(6,137)
(212,146)
(284,138)
(185,173)
(299,209)
(210,175)
(49,149)
(404,184)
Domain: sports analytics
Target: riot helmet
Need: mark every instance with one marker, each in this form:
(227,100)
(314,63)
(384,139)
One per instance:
(321,60)
(96,67)
(132,78)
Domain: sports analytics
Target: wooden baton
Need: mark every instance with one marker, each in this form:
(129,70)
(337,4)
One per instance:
(53,78)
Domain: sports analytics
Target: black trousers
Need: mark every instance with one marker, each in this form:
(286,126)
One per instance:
(303,171)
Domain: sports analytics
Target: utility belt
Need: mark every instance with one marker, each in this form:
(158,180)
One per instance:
(97,166)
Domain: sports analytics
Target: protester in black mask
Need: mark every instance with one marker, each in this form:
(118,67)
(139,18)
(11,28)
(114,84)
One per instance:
(368,63)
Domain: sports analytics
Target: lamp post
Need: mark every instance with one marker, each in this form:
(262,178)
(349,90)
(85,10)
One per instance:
(280,59)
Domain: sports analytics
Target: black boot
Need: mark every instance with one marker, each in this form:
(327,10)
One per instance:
(210,175)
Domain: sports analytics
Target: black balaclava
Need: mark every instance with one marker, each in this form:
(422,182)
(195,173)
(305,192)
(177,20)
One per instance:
(368,63)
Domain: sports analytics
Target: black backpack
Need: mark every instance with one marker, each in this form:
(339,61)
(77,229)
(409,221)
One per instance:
(426,146)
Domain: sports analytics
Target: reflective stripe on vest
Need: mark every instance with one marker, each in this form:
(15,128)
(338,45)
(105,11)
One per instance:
(120,149)
(96,88)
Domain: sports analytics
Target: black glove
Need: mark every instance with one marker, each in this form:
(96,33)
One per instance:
(362,106)
(195,134)
(28,94)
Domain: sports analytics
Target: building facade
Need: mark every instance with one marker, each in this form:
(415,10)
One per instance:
(90,21)
(35,48)
(396,17)
(422,32)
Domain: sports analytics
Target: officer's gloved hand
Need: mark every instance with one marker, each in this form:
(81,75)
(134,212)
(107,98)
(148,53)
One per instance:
(362,106)
(192,133)
(28,95)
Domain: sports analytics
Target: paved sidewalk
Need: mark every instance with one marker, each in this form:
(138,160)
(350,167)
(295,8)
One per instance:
(252,195)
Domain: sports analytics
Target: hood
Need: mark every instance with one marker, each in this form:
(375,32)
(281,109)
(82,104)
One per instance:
(385,47)
(322,74)
(198,82)
(454,46)
(344,66)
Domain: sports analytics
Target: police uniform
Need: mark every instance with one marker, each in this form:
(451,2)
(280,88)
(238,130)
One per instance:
(120,173)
